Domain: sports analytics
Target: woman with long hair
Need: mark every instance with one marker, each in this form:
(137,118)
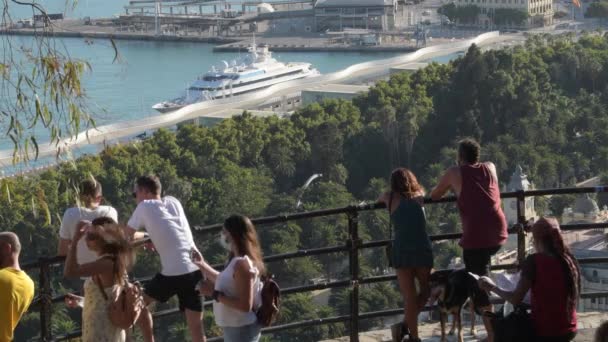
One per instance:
(412,255)
(108,273)
(236,289)
(553,276)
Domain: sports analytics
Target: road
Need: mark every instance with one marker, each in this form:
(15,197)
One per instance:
(225,107)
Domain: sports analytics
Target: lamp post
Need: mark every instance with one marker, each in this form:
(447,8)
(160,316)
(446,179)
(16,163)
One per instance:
(305,186)
(157,10)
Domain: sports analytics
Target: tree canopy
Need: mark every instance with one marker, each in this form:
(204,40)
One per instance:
(41,94)
(466,14)
(509,17)
(597,9)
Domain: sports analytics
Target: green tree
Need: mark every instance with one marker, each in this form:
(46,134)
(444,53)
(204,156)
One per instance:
(449,10)
(509,17)
(301,307)
(42,94)
(597,9)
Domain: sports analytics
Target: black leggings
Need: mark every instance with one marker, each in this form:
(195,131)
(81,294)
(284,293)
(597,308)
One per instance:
(564,338)
(478,261)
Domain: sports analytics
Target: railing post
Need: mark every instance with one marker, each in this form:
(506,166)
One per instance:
(521,220)
(45,299)
(353,232)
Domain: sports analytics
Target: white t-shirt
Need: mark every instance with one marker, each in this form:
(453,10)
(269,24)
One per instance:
(72,216)
(169,230)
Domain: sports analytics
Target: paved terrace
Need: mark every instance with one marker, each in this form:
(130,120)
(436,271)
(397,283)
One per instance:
(431,332)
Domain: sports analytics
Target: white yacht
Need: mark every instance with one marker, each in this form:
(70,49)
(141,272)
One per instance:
(255,71)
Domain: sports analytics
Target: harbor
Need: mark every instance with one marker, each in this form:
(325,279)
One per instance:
(281,25)
(277,96)
(201,35)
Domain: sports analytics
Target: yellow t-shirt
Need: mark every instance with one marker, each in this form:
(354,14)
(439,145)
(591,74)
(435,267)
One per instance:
(16,294)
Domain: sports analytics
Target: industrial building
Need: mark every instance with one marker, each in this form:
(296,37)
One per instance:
(337,15)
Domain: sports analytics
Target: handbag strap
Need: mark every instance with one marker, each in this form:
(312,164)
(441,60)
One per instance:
(97,281)
(390,216)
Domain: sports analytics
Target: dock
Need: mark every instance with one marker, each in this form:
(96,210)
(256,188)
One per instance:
(282,25)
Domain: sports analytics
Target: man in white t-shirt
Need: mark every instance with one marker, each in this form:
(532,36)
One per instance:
(89,209)
(168,228)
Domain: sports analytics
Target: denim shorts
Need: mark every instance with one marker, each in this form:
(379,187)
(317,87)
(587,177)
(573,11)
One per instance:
(246,333)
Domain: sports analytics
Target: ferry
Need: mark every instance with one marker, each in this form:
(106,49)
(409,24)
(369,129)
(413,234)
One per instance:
(255,71)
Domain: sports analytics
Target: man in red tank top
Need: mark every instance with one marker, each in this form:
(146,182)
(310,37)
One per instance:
(484,227)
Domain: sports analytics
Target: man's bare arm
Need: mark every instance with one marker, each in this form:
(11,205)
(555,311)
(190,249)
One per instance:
(134,235)
(492,168)
(445,184)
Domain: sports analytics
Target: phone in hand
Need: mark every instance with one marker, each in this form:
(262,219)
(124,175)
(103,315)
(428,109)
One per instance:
(196,257)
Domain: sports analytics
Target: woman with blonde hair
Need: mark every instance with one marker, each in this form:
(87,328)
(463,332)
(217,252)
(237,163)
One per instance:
(105,276)
(236,290)
(412,255)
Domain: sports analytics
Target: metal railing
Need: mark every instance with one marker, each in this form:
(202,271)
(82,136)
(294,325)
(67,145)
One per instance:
(352,246)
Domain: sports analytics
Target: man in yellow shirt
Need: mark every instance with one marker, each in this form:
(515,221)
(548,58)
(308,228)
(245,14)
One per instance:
(16,287)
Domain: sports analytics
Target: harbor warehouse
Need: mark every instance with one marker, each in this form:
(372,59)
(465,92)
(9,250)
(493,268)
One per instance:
(337,15)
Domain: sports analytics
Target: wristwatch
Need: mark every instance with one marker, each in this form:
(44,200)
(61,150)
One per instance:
(216,295)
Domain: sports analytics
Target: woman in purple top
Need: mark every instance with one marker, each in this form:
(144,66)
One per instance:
(484,227)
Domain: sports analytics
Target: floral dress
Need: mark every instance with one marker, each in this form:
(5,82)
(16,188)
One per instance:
(96,326)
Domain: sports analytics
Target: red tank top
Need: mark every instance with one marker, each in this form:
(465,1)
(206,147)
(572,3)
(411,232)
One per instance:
(549,301)
(483,221)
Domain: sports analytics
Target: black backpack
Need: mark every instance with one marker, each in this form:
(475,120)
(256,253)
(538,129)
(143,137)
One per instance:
(268,311)
(516,326)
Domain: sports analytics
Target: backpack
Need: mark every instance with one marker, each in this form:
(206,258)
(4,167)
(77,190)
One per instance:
(516,326)
(270,302)
(124,310)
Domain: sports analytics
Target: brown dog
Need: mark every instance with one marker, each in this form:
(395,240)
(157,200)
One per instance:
(451,294)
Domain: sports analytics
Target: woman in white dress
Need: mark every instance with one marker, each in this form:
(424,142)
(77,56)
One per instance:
(104,237)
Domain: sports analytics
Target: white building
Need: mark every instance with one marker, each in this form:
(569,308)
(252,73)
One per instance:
(519,181)
(584,210)
(594,277)
(540,12)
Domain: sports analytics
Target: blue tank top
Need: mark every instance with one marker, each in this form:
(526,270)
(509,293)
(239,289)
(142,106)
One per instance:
(409,224)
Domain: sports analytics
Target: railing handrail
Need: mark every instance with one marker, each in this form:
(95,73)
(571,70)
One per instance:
(375,205)
(359,207)
(352,246)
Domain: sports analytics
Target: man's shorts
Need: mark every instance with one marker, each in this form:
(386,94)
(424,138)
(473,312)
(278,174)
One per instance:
(478,261)
(162,287)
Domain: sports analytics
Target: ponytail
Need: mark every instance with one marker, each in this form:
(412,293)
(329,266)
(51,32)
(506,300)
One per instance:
(547,232)
(555,244)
